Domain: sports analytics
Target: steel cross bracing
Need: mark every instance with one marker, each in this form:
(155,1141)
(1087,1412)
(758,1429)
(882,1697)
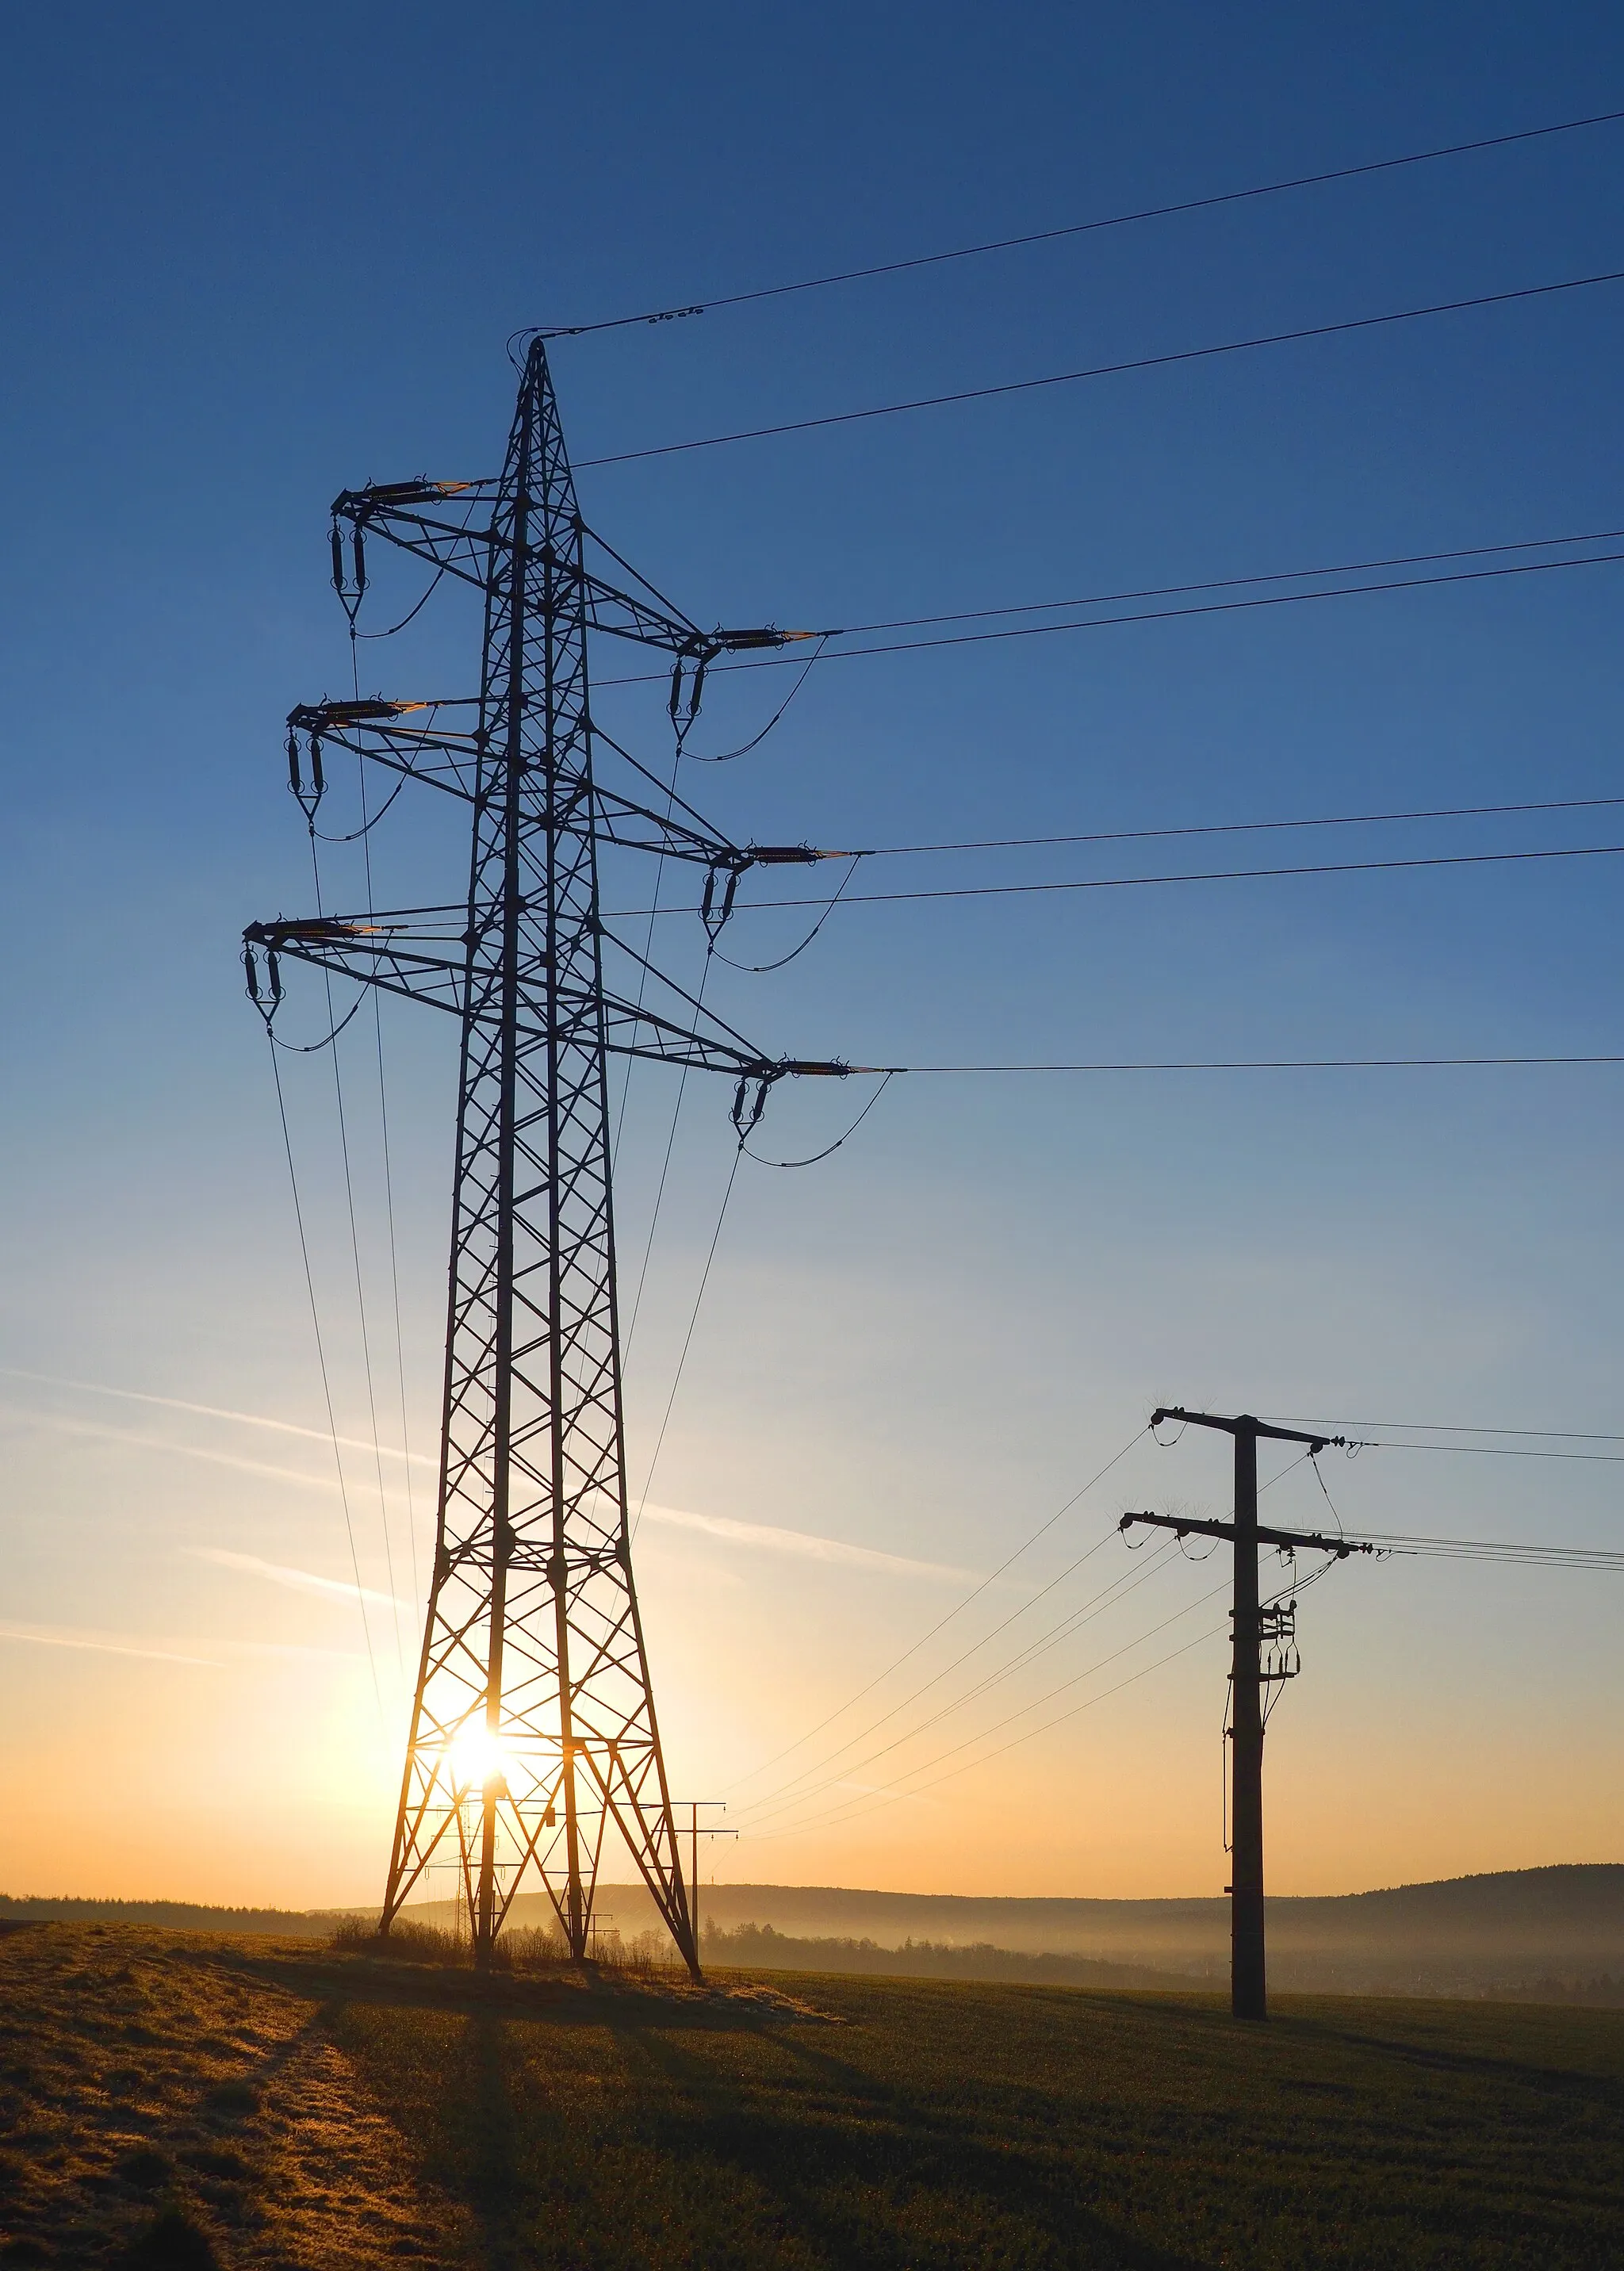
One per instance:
(533,1729)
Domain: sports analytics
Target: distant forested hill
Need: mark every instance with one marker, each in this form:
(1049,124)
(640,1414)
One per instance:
(175,1916)
(1553,1930)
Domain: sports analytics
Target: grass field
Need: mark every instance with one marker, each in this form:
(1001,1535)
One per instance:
(175,2099)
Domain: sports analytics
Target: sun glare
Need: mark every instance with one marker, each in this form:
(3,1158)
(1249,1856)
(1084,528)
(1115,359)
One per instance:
(476,1759)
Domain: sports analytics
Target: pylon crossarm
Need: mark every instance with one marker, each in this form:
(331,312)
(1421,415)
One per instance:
(634,827)
(619,817)
(400,514)
(379,731)
(405,515)
(670,802)
(397,736)
(380,950)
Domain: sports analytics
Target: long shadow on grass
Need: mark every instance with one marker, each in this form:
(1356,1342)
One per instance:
(569,2002)
(1604,2091)
(889,2145)
(496,2192)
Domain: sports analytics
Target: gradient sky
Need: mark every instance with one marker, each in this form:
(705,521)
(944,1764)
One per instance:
(257,256)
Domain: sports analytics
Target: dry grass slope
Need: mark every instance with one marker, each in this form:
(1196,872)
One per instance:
(151,2080)
(176,2100)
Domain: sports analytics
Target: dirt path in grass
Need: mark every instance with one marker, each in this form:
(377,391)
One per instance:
(146,2075)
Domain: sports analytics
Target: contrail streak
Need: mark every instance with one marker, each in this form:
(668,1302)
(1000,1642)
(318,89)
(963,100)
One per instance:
(297,1580)
(211,1411)
(39,1637)
(805,1545)
(179,1450)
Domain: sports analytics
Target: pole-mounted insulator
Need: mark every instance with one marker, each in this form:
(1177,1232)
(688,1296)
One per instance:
(338,561)
(294,781)
(358,552)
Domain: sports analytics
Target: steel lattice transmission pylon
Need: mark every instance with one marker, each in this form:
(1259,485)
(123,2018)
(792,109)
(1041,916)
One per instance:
(534,1731)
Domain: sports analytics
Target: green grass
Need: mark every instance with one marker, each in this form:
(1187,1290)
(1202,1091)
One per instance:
(171,2098)
(1008,2128)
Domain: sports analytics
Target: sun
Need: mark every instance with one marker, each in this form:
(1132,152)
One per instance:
(477,1760)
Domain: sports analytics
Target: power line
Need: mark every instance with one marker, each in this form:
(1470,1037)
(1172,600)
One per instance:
(788,1796)
(1175,614)
(1258,1064)
(388,1180)
(1487,1549)
(1500,1451)
(1225,582)
(688,1339)
(361,1298)
(1563,1557)
(942,1623)
(1087,228)
(1033,1733)
(1196,875)
(814,1159)
(774,1800)
(1344,325)
(1087,600)
(321,1363)
(1442,1427)
(1239,827)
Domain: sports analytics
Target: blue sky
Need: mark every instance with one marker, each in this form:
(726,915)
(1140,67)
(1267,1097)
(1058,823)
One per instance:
(256,258)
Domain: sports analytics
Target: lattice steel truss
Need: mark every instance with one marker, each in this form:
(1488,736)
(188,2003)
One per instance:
(533,1729)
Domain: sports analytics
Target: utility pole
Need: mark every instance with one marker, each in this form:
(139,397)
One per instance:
(694,1833)
(533,1732)
(1248,1975)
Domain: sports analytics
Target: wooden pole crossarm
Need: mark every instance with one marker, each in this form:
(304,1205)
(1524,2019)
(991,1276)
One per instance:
(1243,1424)
(1184,1525)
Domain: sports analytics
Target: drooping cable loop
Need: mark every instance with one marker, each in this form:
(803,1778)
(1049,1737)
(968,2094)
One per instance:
(360,835)
(312,1048)
(726,757)
(411,616)
(828,1149)
(760,969)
